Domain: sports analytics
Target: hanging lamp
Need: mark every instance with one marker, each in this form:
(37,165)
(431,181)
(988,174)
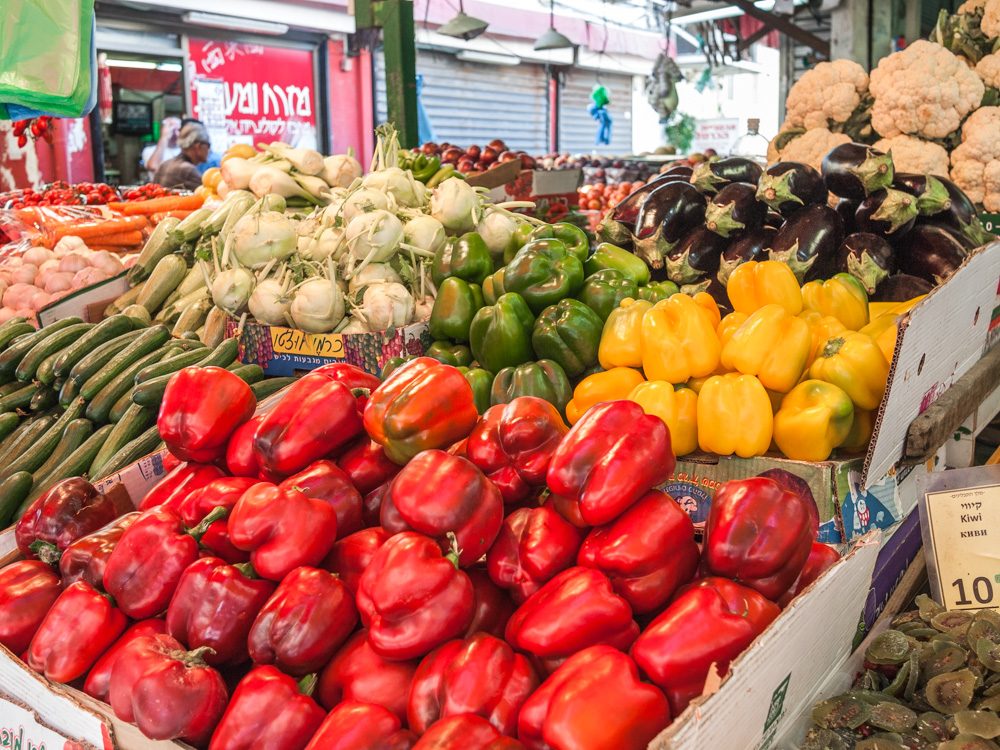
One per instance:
(552,39)
(463,26)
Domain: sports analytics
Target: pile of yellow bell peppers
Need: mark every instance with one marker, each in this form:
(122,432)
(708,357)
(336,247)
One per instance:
(799,370)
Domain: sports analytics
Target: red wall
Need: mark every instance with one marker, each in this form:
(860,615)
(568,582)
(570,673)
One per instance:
(68,157)
(351,111)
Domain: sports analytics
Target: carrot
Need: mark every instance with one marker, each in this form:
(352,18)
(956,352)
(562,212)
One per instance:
(133,237)
(167,203)
(97,228)
(157,218)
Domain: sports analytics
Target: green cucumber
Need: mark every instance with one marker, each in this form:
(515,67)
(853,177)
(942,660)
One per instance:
(148,341)
(8,388)
(26,439)
(58,341)
(132,451)
(22,426)
(74,465)
(107,330)
(13,491)
(70,389)
(170,365)
(10,332)
(133,423)
(120,406)
(249,373)
(19,399)
(76,432)
(14,353)
(100,405)
(223,355)
(45,397)
(35,454)
(8,423)
(90,363)
(264,388)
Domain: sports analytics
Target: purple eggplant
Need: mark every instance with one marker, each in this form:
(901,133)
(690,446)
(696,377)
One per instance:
(808,242)
(931,194)
(846,209)
(789,185)
(773,219)
(867,257)
(668,213)
(618,223)
(853,170)
(961,215)
(962,239)
(678,170)
(735,210)
(887,212)
(710,176)
(695,256)
(901,287)
(929,253)
(750,246)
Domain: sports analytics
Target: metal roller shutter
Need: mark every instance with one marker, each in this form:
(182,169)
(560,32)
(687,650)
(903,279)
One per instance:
(577,129)
(472,103)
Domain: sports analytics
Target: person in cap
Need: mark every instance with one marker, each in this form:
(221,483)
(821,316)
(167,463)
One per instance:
(181,172)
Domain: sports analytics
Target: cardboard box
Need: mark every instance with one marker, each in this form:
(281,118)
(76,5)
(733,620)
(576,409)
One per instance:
(288,351)
(901,547)
(87,303)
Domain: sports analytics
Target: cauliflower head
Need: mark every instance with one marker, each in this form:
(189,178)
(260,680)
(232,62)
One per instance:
(826,95)
(923,90)
(990,24)
(988,70)
(810,147)
(970,6)
(975,163)
(910,154)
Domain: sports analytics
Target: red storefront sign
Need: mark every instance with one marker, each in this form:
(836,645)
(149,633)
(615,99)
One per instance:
(252,93)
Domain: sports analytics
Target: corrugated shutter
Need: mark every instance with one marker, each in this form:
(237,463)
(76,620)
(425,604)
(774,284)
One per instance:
(578,130)
(472,103)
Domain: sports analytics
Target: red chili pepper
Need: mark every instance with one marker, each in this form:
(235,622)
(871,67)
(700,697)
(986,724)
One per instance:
(145,566)
(366,464)
(465,732)
(167,691)
(324,480)
(86,558)
(180,482)
(99,677)
(576,609)
(481,675)
(361,726)
(759,534)
(269,710)
(71,509)
(304,622)
(534,545)
(413,598)
(821,558)
(28,589)
(201,408)
(357,673)
(353,377)
(350,556)
(613,456)
(94,622)
(493,607)
(647,552)
(594,700)
(282,529)
(241,458)
(219,493)
(712,621)
(314,418)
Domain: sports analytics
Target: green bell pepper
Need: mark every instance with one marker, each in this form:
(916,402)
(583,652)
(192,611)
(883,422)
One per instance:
(603,291)
(394,363)
(500,335)
(611,256)
(568,333)
(445,352)
(575,239)
(544,379)
(520,238)
(424,167)
(481,382)
(544,272)
(657,290)
(466,257)
(456,303)
(493,287)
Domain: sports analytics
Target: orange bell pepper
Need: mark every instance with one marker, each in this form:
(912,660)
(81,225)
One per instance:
(611,385)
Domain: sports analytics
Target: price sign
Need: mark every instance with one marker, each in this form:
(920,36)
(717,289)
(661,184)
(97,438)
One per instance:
(991,222)
(960,522)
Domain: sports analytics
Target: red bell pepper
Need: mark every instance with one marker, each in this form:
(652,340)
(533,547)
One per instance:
(315,417)
(821,558)
(145,566)
(98,679)
(465,732)
(214,605)
(441,495)
(613,456)
(353,377)
(361,726)
(709,622)
(648,552)
(69,510)
(282,529)
(534,545)
(576,609)
(413,598)
(371,505)
(366,464)
(324,480)
(481,675)
(759,534)
(78,628)
(201,408)
(797,486)
(350,556)
(357,673)
(168,692)
(28,589)
(594,700)
(241,458)
(483,449)
(219,493)
(185,478)
(269,710)
(304,622)
(422,405)
(86,558)
(493,607)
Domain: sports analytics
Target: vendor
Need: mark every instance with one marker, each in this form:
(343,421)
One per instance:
(182,170)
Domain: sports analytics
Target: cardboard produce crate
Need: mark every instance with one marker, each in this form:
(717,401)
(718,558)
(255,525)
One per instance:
(87,303)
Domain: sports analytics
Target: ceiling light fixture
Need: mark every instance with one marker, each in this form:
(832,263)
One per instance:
(140,64)
(552,39)
(218,21)
(463,26)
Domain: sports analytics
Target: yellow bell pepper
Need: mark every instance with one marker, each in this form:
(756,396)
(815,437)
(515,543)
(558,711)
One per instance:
(884,330)
(707,303)
(771,344)
(877,309)
(695,384)
(861,432)
(621,339)
(814,418)
(853,362)
(754,284)
(677,408)
(734,416)
(611,385)
(842,297)
(678,340)
(823,328)
(728,325)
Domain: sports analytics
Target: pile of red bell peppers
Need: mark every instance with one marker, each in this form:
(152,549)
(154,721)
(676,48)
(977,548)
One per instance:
(374,566)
